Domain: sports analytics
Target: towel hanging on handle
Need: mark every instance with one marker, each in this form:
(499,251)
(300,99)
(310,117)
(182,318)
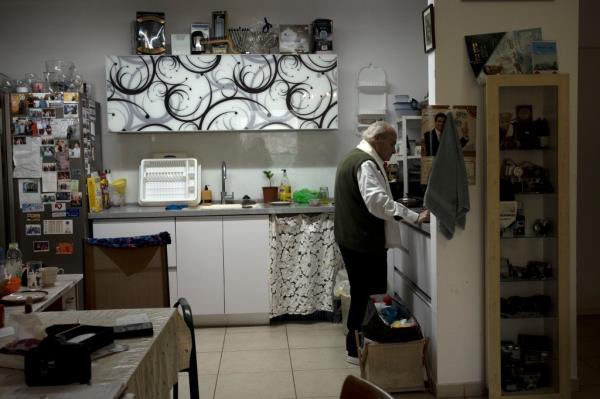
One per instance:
(447,195)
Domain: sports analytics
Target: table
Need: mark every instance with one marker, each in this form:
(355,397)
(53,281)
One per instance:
(62,287)
(148,369)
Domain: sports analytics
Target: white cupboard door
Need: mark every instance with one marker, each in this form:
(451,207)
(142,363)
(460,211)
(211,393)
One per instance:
(138,227)
(246,261)
(200,264)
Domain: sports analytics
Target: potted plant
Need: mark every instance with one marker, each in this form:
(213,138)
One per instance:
(270,192)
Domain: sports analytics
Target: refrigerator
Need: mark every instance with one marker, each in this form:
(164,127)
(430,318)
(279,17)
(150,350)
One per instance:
(51,142)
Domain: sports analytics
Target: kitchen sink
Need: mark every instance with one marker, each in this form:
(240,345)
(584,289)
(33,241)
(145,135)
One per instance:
(215,207)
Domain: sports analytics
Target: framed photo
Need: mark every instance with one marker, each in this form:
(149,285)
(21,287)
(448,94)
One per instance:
(294,39)
(428,29)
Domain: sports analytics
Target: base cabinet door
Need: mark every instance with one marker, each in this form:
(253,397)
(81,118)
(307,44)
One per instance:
(246,257)
(200,264)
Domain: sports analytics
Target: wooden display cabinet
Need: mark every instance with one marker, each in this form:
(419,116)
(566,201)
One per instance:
(527,236)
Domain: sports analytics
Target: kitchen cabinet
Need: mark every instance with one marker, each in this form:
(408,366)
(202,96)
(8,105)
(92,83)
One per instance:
(264,92)
(135,227)
(200,268)
(412,279)
(245,263)
(223,263)
(527,236)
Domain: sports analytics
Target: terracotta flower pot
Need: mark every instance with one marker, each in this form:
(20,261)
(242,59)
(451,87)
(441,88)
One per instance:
(270,194)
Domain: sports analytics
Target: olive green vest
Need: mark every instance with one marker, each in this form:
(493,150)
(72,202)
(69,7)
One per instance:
(355,228)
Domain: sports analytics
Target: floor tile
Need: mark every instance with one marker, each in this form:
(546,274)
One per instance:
(320,358)
(208,362)
(255,361)
(270,385)
(209,339)
(417,395)
(256,329)
(256,341)
(316,339)
(322,397)
(315,383)
(313,325)
(206,385)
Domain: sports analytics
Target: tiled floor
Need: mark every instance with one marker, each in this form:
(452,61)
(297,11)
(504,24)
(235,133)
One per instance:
(307,360)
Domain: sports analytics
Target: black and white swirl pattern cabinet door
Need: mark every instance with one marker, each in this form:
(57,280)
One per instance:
(221,92)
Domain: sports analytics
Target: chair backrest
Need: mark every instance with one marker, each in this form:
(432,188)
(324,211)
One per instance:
(126,278)
(358,388)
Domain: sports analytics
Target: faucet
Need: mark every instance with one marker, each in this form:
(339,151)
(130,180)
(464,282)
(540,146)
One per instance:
(223,178)
(225,198)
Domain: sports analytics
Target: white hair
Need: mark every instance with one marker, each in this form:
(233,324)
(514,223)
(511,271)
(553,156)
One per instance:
(376,129)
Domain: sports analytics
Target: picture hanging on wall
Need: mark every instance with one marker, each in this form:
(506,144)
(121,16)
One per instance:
(428,29)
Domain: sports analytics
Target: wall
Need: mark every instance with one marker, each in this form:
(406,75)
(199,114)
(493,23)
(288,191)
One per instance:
(588,192)
(386,33)
(460,297)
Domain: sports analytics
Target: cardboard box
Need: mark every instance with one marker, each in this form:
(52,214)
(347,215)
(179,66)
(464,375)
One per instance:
(394,367)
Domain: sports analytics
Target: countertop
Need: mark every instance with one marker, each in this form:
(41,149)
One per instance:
(135,211)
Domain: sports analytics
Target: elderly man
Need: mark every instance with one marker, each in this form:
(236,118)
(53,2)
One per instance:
(366,218)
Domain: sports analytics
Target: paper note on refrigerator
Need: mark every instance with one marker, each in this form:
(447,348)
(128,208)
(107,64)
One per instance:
(27,158)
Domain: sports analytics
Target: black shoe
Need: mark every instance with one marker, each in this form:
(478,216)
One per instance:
(351,349)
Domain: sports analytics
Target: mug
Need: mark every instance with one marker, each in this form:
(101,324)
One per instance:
(49,275)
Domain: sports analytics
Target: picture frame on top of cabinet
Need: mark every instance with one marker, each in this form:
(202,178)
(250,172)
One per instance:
(428,29)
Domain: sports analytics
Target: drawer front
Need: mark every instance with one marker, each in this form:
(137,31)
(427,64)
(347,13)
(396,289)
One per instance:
(418,303)
(413,259)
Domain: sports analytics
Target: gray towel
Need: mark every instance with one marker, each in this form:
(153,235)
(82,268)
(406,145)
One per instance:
(447,195)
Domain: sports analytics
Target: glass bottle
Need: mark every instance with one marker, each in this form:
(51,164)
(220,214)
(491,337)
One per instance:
(14,260)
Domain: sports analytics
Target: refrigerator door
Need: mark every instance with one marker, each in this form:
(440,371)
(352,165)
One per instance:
(50,205)
(4,226)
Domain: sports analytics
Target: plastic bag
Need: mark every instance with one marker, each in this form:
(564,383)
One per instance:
(342,284)
(376,329)
(303,196)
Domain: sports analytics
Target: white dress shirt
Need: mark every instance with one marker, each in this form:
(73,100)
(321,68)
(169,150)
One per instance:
(375,191)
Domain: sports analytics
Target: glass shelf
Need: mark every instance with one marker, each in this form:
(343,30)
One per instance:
(535,193)
(527,316)
(539,391)
(526,280)
(528,149)
(525,236)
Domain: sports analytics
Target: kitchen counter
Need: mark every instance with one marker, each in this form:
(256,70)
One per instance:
(132,211)
(136,211)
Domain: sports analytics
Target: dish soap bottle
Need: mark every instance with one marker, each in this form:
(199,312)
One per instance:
(206,195)
(285,190)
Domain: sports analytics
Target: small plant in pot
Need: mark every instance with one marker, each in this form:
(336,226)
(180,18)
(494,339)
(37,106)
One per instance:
(270,192)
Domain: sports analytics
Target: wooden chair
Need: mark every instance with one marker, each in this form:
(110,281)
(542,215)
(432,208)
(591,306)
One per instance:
(358,388)
(126,278)
(192,370)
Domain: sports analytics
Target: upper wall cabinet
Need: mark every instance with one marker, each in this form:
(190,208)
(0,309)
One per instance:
(221,92)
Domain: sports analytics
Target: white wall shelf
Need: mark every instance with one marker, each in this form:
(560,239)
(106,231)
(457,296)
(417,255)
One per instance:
(372,95)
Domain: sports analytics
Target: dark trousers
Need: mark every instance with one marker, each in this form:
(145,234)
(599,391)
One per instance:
(367,273)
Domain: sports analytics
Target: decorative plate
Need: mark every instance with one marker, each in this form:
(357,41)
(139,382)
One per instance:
(18,298)
(281,203)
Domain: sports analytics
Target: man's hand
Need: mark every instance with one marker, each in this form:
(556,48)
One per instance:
(423,216)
